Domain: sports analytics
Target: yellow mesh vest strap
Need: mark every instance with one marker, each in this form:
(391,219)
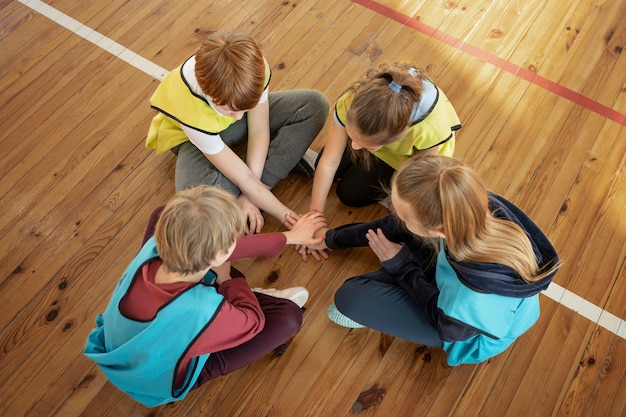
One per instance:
(178,105)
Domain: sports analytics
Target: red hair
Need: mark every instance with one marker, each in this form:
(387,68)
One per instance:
(231,70)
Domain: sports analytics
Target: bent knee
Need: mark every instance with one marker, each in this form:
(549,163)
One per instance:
(353,198)
(288,319)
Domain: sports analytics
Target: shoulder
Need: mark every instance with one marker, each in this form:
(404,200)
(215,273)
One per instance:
(188,75)
(342,106)
(268,73)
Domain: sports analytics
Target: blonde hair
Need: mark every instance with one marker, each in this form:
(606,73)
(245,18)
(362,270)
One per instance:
(442,191)
(231,70)
(195,226)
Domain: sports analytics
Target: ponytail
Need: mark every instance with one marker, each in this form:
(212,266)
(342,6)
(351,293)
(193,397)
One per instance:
(383,102)
(444,192)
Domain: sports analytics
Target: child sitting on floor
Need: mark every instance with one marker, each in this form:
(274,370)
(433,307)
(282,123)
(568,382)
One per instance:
(180,315)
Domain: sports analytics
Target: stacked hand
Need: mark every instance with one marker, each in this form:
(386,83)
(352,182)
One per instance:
(251,213)
(315,224)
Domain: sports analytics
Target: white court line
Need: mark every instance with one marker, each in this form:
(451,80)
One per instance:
(96,38)
(557,293)
(586,309)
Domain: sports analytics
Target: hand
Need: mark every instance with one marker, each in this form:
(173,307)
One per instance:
(303,230)
(290,220)
(317,254)
(381,246)
(318,251)
(222,271)
(252,214)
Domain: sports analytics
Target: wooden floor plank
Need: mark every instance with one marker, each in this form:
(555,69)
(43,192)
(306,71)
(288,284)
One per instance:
(539,88)
(582,385)
(608,396)
(416,395)
(452,391)
(357,356)
(62,312)
(319,40)
(73,179)
(551,367)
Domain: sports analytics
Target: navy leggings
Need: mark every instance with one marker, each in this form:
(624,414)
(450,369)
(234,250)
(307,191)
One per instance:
(375,301)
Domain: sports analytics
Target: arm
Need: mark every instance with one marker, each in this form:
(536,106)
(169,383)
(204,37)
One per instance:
(262,244)
(335,145)
(229,164)
(258,146)
(258,138)
(269,244)
(238,320)
(214,149)
(355,234)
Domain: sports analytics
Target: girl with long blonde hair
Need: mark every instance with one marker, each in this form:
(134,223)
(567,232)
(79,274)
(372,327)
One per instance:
(462,267)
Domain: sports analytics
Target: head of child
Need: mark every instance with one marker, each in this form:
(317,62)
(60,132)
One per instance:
(382,105)
(230,70)
(437,196)
(198,229)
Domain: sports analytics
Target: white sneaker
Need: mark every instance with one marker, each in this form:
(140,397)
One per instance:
(310,157)
(306,165)
(298,295)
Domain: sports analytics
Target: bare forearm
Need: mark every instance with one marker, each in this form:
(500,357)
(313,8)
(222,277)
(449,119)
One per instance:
(258,138)
(322,182)
(263,198)
(239,173)
(257,153)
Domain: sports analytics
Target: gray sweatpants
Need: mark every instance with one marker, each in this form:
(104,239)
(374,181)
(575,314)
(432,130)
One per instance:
(296,117)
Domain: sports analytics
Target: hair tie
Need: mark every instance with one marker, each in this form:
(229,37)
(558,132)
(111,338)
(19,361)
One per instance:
(395,87)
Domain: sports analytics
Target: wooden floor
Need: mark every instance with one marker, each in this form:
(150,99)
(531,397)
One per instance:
(540,86)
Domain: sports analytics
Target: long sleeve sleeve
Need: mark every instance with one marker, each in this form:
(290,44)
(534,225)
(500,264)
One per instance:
(238,320)
(413,269)
(353,235)
(263,244)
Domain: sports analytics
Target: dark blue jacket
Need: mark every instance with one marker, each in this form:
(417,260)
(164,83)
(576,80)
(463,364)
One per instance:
(414,267)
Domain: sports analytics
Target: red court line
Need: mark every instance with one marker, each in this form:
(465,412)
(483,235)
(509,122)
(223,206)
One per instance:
(501,63)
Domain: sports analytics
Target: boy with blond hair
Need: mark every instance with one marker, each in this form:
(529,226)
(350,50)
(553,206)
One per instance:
(180,315)
(219,98)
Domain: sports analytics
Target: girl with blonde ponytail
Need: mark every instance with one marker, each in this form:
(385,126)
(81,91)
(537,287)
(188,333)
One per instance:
(462,267)
(459,202)
(378,123)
